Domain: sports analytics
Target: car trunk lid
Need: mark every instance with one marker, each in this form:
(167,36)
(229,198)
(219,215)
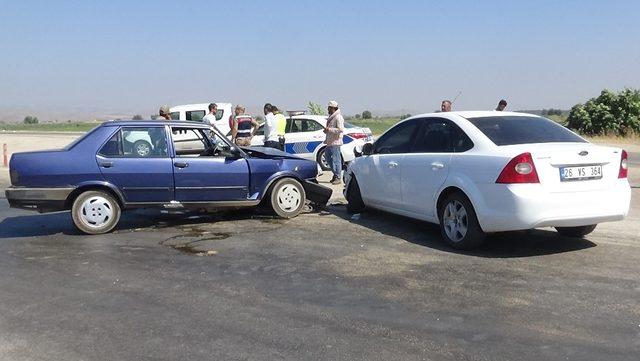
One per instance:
(573,167)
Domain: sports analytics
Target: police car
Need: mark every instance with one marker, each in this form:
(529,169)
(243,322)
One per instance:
(304,137)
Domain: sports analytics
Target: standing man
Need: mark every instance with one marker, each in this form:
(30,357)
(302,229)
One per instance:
(333,140)
(210,118)
(163,113)
(445,106)
(281,126)
(501,105)
(270,128)
(242,127)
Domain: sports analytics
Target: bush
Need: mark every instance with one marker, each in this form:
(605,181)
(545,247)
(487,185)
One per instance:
(30,120)
(366,114)
(405,116)
(358,116)
(137,117)
(608,114)
(315,109)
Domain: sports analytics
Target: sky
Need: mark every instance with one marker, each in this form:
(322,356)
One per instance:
(385,56)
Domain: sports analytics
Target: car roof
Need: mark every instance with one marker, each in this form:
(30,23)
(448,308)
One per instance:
(197,106)
(474,114)
(148,123)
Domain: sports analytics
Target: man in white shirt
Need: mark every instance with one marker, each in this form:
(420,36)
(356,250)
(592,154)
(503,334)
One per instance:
(271,138)
(211,117)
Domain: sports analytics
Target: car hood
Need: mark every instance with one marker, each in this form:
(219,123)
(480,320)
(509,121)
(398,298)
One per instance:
(268,153)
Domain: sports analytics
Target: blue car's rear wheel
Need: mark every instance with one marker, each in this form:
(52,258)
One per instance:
(95,212)
(287,197)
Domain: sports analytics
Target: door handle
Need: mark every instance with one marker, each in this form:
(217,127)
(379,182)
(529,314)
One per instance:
(181,164)
(392,164)
(437,165)
(106,164)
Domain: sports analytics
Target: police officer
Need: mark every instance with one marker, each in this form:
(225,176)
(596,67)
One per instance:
(243,127)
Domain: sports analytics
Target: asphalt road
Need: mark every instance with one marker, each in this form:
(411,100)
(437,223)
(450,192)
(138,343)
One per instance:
(323,286)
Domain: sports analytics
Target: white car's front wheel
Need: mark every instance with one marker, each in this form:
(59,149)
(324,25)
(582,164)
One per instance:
(322,160)
(576,232)
(458,222)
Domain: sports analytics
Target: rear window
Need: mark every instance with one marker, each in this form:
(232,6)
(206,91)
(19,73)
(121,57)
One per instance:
(510,130)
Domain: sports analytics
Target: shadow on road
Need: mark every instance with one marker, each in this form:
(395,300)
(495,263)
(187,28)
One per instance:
(35,225)
(498,245)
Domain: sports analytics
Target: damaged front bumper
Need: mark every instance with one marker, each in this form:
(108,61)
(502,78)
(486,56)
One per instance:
(317,193)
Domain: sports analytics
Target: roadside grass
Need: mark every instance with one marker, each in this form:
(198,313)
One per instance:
(630,142)
(377,125)
(48,127)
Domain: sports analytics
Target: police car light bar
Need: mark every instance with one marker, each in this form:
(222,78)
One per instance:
(296,112)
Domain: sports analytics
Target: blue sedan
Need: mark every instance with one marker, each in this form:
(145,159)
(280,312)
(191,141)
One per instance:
(122,165)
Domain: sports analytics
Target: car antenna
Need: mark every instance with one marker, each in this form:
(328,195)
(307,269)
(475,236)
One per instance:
(454,99)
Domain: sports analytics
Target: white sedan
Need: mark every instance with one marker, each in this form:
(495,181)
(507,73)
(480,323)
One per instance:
(304,137)
(480,172)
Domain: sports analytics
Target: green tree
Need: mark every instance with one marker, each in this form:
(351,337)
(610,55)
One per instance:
(315,109)
(137,117)
(609,113)
(30,120)
(358,116)
(366,114)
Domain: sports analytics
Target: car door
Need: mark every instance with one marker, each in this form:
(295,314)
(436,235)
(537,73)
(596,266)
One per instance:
(303,137)
(136,161)
(426,166)
(205,170)
(380,173)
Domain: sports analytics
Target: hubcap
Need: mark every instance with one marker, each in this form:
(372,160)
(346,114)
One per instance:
(96,211)
(289,198)
(455,221)
(143,149)
(323,160)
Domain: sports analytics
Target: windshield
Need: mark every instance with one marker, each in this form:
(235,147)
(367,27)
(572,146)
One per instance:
(349,125)
(511,130)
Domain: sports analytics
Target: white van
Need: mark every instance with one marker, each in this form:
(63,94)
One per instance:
(195,112)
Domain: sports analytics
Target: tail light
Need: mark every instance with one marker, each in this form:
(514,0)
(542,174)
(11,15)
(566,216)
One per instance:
(357,135)
(622,173)
(520,169)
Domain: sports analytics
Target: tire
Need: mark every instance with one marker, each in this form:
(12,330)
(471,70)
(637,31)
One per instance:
(576,232)
(355,204)
(456,213)
(95,212)
(287,198)
(142,148)
(322,159)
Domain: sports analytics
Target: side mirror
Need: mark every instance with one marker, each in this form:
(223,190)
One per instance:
(357,151)
(367,149)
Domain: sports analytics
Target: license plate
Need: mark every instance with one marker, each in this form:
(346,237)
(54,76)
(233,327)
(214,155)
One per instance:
(580,173)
